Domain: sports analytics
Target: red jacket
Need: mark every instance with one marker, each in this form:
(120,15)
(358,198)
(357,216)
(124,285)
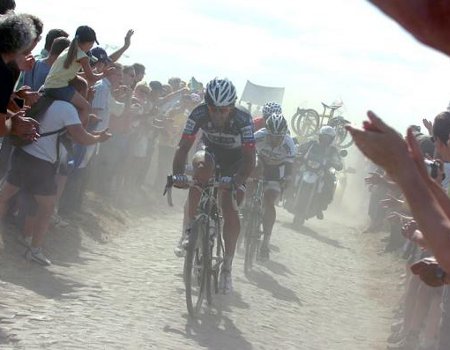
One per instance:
(258,123)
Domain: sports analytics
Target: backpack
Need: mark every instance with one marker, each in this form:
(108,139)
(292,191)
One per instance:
(37,111)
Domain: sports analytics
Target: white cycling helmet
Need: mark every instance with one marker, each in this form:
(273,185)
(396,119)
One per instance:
(220,92)
(269,108)
(276,124)
(327,130)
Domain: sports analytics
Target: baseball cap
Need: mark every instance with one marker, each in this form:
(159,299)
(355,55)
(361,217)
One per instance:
(99,54)
(85,34)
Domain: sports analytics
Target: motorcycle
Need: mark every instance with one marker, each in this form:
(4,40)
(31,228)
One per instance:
(309,184)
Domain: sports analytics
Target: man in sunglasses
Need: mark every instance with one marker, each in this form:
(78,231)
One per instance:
(227,135)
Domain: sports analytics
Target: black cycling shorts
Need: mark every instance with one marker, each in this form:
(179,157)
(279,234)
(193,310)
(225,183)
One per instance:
(229,161)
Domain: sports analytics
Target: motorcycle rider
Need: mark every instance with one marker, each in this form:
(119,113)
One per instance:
(276,153)
(324,145)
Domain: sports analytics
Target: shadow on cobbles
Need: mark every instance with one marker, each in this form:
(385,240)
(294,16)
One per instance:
(317,236)
(6,338)
(213,330)
(277,268)
(49,284)
(46,281)
(265,281)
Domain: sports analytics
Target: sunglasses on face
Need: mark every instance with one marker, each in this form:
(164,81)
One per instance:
(225,109)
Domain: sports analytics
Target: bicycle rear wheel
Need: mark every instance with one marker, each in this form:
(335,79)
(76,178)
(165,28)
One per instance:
(307,123)
(251,243)
(343,138)
(195,273)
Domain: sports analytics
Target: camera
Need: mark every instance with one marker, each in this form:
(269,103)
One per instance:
(433,166)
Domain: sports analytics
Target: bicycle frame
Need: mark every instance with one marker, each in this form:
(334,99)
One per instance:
(330,115)
(209,207)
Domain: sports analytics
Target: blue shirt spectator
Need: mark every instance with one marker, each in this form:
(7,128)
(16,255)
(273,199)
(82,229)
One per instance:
(35,78)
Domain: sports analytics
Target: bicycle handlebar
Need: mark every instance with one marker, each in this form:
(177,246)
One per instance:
(171,179)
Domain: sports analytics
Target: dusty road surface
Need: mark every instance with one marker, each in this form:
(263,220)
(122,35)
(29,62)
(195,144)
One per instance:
(326,287)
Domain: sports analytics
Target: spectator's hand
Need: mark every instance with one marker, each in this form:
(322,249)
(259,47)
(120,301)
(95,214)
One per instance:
(374,179)
(29,96)
(391,203)
(428,125)
(25,62)
(123,92)
(127,41)
(382,144)
(90,94)
(426,20)
(103,135)
(429,272)
(24,127)
(396,216)
(409,228)
(109,71)
(94,119)
(440,172)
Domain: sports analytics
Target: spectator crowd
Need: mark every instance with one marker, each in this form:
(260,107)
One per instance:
(410,188)
(73,118)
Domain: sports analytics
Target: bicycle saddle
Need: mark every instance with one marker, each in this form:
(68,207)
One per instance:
(333,106)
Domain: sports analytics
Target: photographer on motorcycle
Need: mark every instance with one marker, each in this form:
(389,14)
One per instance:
(329,152)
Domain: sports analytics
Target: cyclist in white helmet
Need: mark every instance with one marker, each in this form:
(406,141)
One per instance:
(227,135)
(276,151)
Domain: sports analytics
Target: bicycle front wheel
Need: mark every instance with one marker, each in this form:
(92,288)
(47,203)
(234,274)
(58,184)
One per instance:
(195,273)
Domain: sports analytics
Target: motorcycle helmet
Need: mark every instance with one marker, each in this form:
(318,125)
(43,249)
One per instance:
(327,130)
(327,135)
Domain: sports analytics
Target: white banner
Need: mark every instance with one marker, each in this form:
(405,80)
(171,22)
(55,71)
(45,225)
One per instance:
(259,95)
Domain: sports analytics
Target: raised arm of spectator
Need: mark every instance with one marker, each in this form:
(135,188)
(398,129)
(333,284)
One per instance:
(127,42)
(402,161)
(82,137)
(426,20)
(173,94)
(89,74)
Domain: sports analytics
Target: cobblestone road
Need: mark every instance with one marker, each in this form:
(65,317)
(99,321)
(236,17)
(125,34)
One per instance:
(324,288)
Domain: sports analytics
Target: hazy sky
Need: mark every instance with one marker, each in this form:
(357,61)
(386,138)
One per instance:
(319,50)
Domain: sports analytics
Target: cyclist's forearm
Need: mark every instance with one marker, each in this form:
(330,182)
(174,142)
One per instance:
(181,154)
(179,161)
